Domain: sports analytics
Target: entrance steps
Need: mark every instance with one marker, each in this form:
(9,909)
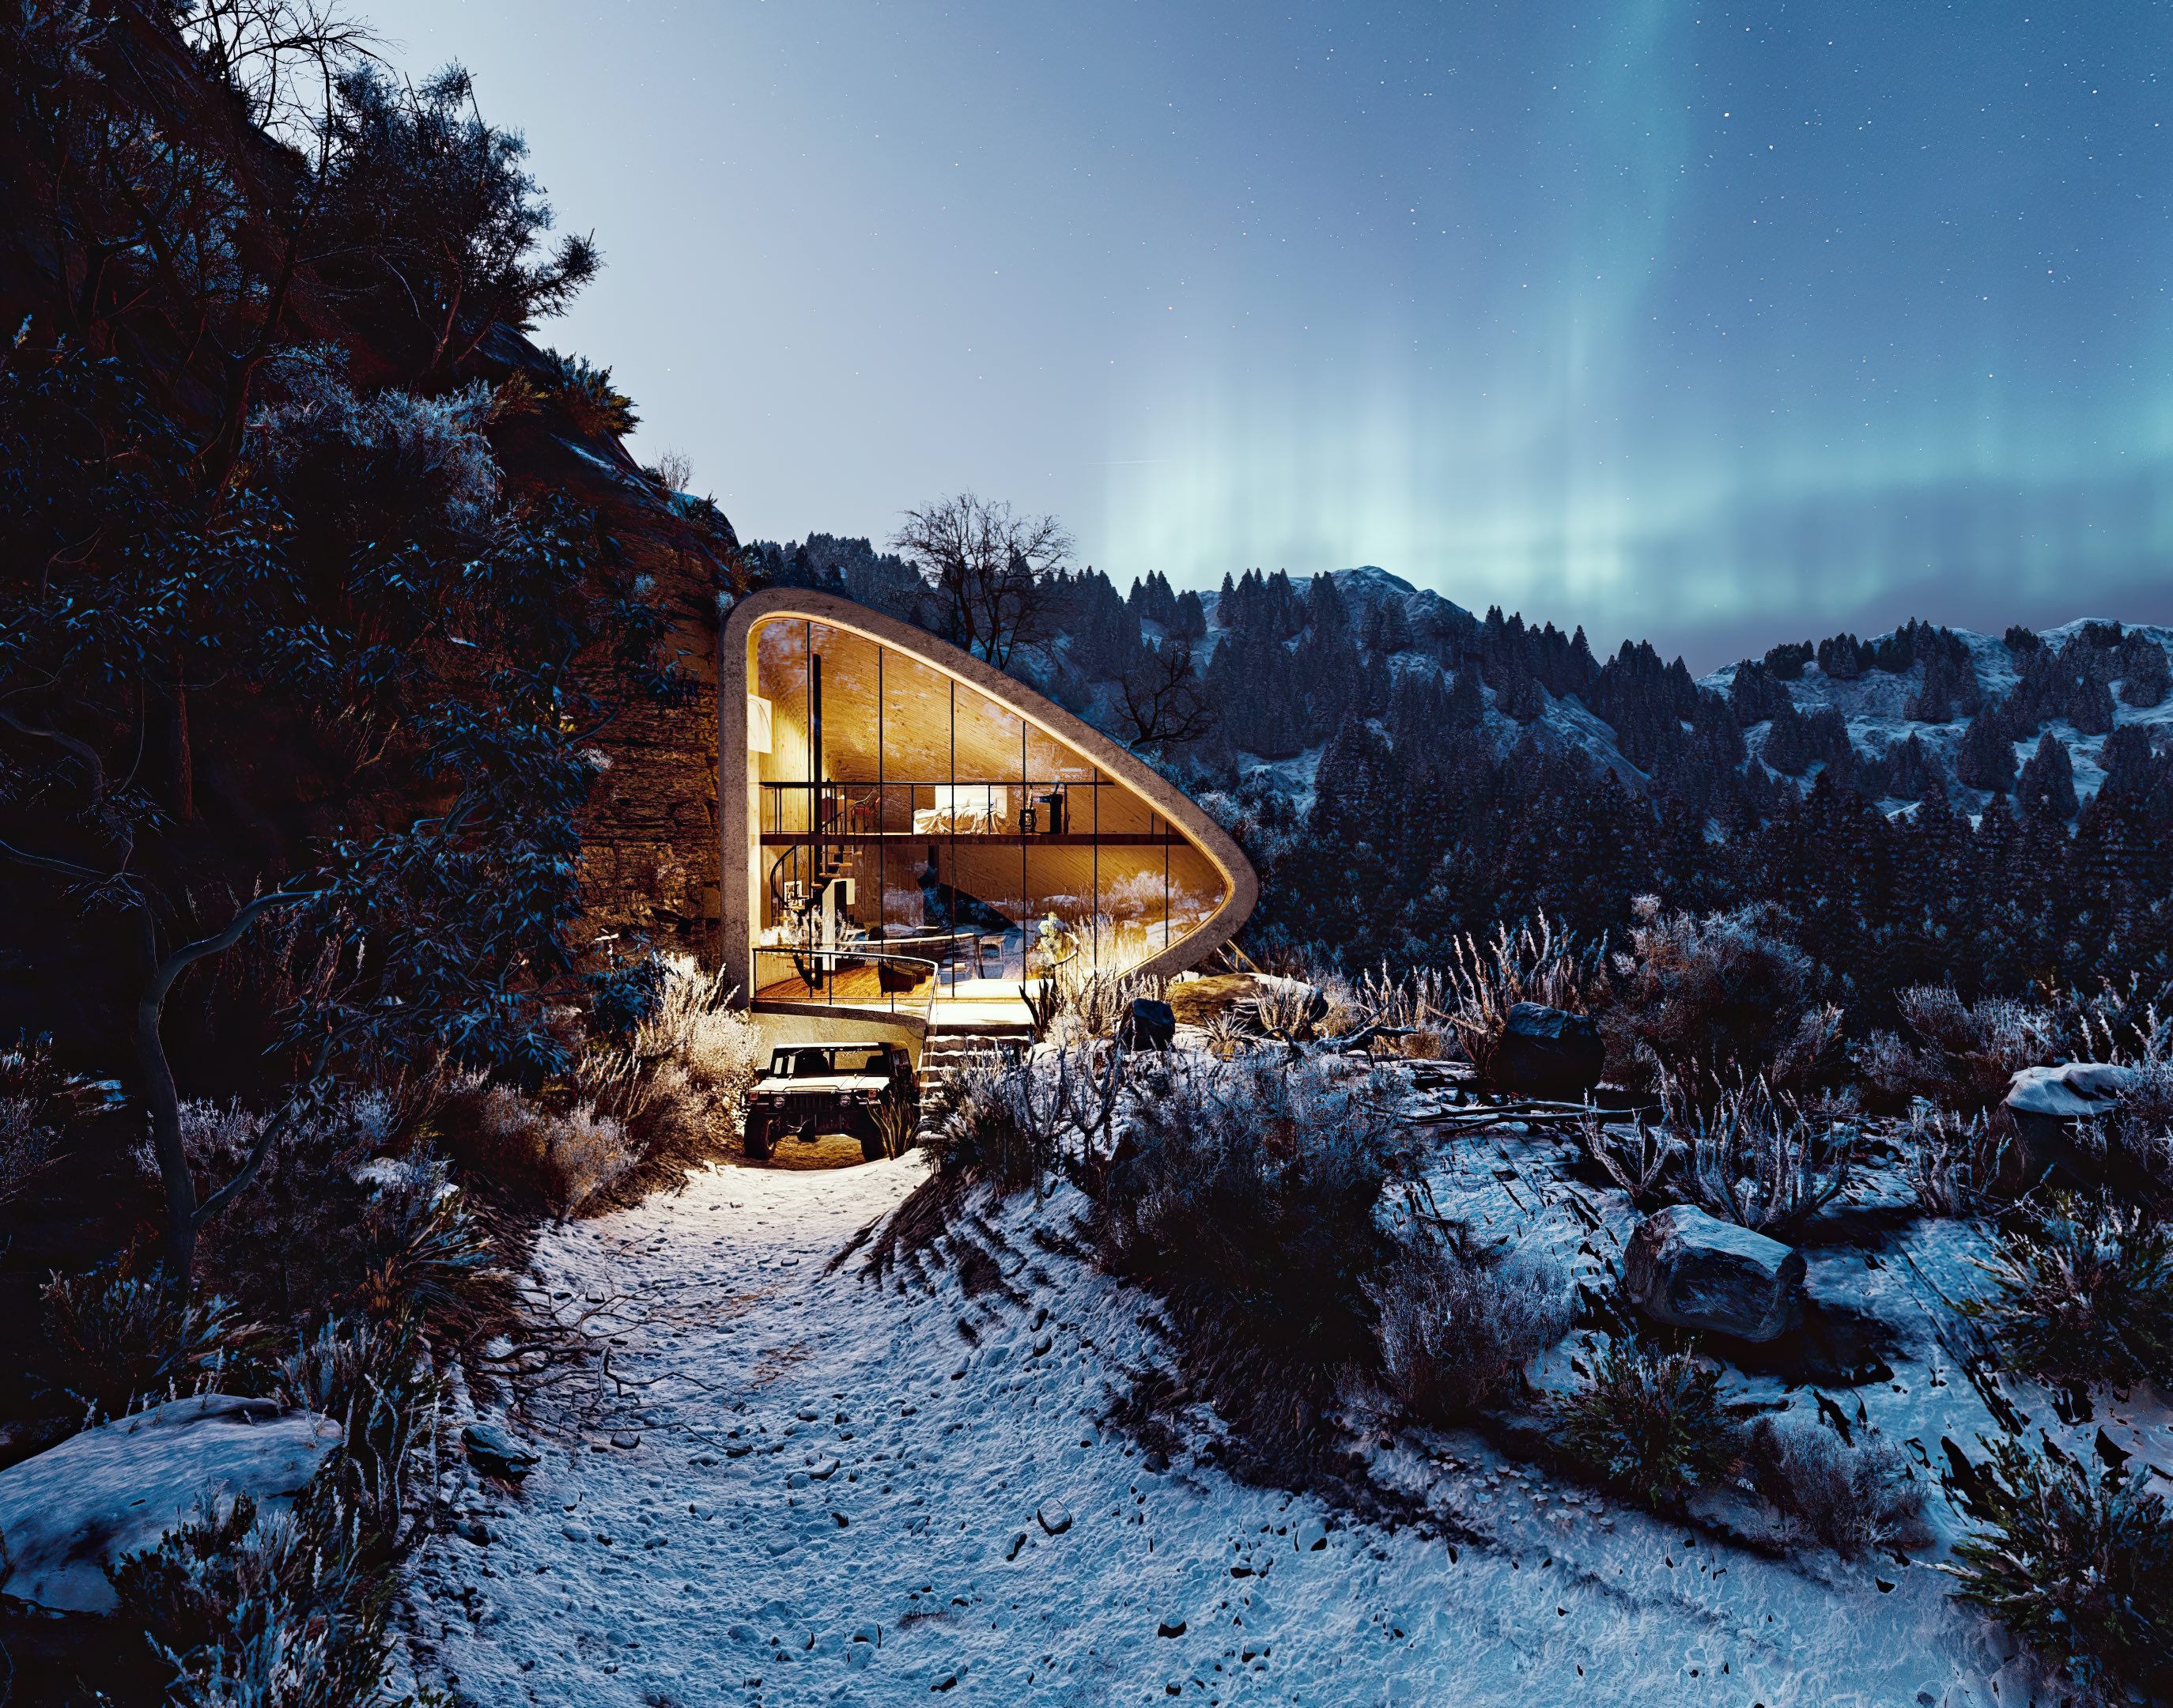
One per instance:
(966,1044)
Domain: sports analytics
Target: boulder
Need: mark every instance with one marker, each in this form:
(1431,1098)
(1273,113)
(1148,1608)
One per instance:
(1147,1025)
(1549,1052)
(2050,1106)
(117,1489)
(1690,1270)
(491,1449)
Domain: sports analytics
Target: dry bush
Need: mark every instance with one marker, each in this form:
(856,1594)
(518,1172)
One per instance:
(562,1158)
(1103,999)
(1420,997)
(1852,1496)
(1960,1056)
(1757,1160)
(1532,964)
(1227,1035)
(2085,1293)
(1955,1163)
(1422,1046)
(1701,1003)
(1458,1322)
(1640,1161)
(1287,1008)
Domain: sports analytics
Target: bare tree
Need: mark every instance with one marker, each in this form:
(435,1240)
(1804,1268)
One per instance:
(990,568)
(1161,698)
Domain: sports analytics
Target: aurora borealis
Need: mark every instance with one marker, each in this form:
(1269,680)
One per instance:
(1716,325)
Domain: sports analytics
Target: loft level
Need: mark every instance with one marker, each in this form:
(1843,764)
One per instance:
(977,838)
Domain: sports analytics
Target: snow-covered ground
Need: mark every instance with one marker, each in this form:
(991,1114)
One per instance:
(818,1489)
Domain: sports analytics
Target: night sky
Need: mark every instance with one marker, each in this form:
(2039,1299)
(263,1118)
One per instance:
(1719,325)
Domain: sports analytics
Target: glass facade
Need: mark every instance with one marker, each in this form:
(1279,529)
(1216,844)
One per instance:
(918,839)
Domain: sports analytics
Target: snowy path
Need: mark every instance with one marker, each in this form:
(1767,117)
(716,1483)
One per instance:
(828,1496)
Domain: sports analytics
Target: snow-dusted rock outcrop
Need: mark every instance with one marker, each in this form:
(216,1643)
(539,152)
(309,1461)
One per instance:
(67,1513)
(1690,1269)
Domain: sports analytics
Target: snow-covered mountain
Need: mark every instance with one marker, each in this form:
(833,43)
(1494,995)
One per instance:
(1881,707)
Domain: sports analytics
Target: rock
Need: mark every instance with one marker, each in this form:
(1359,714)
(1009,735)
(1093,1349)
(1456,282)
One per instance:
(1690,1270)
(1147,1025)
(113,1490)
(1549,1052)
(823,1471)
(626,1439)
(1312,1536)
(494,1451)
(1172,1625)
(1054,1516)
(2051,1106)
(1018,1541)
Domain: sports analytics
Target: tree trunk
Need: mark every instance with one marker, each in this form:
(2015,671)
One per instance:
(162,1105)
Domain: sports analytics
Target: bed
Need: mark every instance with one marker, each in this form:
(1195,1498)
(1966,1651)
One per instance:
(964,808)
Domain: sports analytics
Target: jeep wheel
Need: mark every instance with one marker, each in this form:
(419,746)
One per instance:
(757,1142)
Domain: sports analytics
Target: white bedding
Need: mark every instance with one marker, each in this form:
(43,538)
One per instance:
(962,808)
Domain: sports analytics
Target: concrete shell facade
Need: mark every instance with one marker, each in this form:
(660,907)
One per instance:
(902,826)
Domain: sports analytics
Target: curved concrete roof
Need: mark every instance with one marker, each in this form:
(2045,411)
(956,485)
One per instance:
(1242,886)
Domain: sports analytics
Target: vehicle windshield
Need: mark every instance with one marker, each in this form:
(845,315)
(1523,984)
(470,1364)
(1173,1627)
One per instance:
(812,1063)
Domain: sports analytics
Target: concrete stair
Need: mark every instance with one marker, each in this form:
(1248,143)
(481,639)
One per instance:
(966,1044)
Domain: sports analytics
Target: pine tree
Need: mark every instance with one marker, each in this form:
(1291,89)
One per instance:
(2047,789)
(1986,759)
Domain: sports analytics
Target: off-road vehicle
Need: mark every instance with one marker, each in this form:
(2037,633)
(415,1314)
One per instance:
(866,1091)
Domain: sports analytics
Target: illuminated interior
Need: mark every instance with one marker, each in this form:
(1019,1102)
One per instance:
(916,840)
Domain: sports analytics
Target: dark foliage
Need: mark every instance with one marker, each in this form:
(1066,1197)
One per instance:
(2081,1567)
(1653,1423)
(2085,1293)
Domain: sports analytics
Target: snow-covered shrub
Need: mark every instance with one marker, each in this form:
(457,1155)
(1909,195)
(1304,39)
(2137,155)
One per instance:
(2138,1137)
(1954,1162)
(678,1076)
(249,1611)
(996,1125)
(1458,1321)
(1247,1189)
(123,1336)
(2084,1292)
(582,1154)
(37,1103)
(1960,1055)
(426,456)
(331,1223)
(291,1611)
(2080,1566)
(1532,963)
(1701,1003)
(1853,1496)
(1758,1161)
(1653,1423)
(1644,1161)
(375,1375)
